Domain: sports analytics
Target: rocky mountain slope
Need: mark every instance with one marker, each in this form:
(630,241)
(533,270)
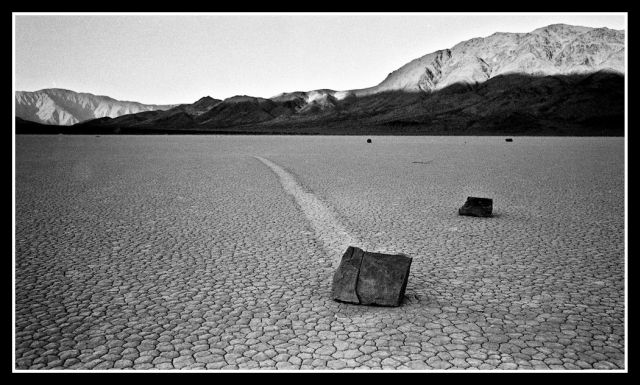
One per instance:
(560,79)
(64,107)
(557,49)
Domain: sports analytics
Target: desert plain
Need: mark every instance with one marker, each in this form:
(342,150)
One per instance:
(217,252)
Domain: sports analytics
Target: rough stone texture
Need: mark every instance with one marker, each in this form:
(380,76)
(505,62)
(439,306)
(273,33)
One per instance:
(383,279)
(371,278)
(477,207)
(345,279)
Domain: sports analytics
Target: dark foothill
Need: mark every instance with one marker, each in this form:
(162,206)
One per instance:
(508,140)
(477,207)
(368,140)
(371,278)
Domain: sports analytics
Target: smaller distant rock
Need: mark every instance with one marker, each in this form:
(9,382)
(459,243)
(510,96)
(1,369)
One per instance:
(368,140)
(508,140)
(477,207)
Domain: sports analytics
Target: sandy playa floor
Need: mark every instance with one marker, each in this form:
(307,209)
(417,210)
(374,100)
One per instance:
(189,252)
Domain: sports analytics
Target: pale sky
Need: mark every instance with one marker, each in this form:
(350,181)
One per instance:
(170,59)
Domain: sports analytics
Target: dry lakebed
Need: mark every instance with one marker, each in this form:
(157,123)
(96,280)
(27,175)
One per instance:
(218,252)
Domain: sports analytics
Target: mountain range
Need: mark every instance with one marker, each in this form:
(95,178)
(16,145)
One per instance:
(555,80)
(65,107)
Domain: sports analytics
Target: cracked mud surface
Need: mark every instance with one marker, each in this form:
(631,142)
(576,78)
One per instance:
(186,252)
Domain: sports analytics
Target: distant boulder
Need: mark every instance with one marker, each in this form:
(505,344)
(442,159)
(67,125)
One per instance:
(367,278)
(368,140)
(477,207)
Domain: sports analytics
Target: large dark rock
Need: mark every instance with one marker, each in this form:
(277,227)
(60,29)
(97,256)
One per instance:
(477,207)
(371,278)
